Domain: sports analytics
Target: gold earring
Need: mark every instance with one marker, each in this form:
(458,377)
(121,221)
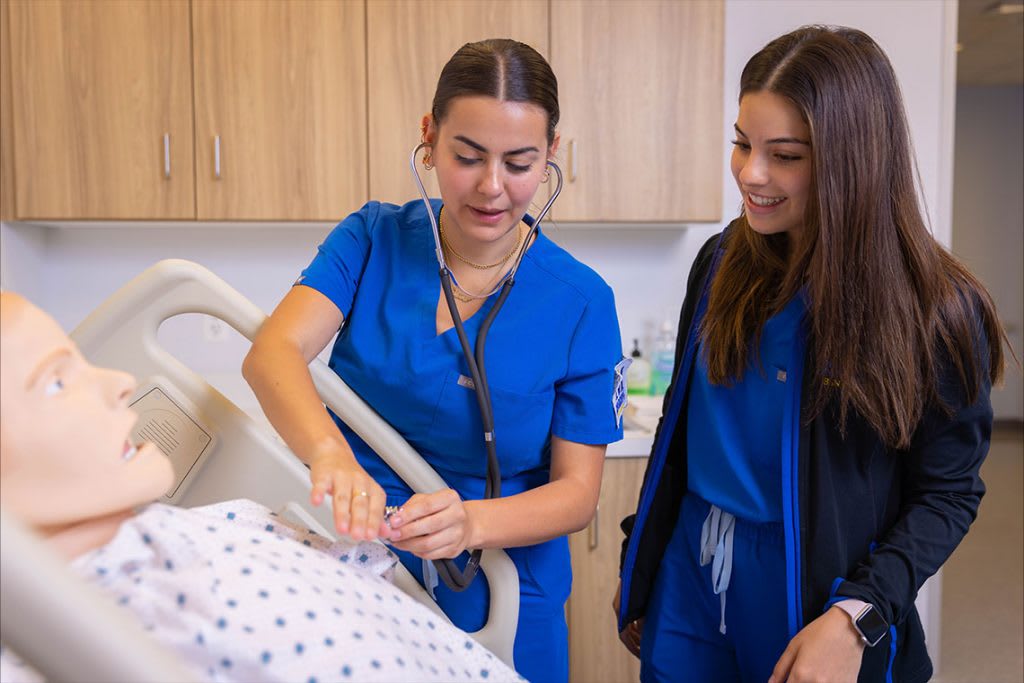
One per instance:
(428,162)
(547,175)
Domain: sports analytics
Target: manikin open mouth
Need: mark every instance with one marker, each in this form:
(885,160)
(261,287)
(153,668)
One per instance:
(129,451)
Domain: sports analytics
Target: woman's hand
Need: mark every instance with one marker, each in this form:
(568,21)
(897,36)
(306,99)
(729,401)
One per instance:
(433,526)
(827,649)
(357,499)
(630,636)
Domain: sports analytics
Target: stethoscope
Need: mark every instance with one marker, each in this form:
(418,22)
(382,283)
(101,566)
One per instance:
(447,570)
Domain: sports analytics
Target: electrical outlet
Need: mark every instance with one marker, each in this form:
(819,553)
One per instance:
(214,329)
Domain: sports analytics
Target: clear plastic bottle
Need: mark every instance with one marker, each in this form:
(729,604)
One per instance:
(638,377)
(663,359)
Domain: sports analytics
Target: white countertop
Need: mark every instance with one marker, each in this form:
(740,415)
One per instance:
(635,444)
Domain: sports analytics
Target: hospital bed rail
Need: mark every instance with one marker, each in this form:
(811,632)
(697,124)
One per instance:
(245,459)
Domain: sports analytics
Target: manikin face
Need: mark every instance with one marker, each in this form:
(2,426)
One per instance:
(771,161)
(490,158)
(65,454)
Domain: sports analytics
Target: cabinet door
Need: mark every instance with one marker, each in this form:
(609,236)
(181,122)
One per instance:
(595,653)
(102,109)
(280,109)
(409,42)
(641,89)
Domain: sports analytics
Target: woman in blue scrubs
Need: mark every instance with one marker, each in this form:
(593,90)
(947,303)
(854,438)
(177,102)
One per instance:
(551,356)
(818,457)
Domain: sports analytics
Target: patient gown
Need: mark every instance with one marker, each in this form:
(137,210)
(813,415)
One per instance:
(240,594)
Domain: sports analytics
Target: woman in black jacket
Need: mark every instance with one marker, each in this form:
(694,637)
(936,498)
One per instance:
(818,457)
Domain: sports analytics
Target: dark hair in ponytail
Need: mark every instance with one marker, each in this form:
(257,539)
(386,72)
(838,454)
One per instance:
(505,69)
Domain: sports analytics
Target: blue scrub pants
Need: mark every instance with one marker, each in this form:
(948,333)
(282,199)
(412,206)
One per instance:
(541,648)
(681,637)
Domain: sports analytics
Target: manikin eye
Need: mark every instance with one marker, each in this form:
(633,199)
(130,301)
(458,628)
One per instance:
(55,386)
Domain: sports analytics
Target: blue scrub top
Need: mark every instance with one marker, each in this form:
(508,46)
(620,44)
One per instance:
(734,433)
(551,352)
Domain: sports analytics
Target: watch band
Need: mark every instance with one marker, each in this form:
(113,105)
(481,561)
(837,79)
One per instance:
(866,620)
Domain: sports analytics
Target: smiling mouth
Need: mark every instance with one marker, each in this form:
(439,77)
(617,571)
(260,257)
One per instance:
(758,200)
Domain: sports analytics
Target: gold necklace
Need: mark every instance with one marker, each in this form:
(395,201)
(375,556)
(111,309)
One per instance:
(478,266)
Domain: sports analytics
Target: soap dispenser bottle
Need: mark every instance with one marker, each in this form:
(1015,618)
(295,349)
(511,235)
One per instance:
(638,377)
(663,359)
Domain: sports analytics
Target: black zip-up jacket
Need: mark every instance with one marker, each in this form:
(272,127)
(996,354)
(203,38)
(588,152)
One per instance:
(862,521)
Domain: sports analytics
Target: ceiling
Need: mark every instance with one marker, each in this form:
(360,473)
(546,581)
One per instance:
(991,43)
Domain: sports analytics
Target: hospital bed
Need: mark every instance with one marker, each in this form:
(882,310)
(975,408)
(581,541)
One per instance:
(219,452)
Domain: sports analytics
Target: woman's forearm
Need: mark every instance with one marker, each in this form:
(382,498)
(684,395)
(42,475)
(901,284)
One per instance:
(563,506)
(279,376)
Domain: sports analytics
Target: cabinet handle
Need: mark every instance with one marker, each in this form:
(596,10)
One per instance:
(572,160)
(594,529)
(216,157)
(167,155)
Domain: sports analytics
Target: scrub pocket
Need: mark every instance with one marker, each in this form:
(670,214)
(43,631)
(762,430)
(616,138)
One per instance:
(522,427)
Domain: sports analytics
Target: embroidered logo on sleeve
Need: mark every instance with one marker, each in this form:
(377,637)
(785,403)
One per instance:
(619,392)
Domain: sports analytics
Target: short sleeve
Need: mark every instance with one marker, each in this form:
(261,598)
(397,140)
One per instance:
(338,265)
(584,400)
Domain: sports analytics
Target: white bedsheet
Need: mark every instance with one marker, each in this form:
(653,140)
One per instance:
(242,595)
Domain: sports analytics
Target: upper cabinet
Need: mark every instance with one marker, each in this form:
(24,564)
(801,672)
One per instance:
(280,101)
(303,109)
(102,109)
(409,41)
(640,82)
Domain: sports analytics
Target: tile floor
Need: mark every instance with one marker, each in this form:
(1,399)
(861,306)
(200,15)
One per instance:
(983,582)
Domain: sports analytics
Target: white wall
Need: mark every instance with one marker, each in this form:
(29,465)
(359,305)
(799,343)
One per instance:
(988,211)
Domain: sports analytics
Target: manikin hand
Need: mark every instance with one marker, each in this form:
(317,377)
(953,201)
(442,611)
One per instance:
(828,649)
(433,526)
(358,500)
(630,636)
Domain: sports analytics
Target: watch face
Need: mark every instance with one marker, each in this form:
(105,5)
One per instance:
(871,625)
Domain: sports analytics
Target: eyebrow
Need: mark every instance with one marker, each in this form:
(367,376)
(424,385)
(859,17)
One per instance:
(47,362)
(775,140)
(480,148)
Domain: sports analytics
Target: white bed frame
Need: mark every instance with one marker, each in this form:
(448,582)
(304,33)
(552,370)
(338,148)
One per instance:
(60,626)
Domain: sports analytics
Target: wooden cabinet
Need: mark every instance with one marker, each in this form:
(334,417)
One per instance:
(102,109)
(641,89)
(409,41)
(595,653)
(303,109)
(280,101)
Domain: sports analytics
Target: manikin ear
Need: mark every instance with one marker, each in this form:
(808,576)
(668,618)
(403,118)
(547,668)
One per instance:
(428,130)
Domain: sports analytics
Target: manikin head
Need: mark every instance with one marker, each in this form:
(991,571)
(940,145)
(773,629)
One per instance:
(65,451)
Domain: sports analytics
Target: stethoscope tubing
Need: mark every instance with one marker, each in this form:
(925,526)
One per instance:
(456,579)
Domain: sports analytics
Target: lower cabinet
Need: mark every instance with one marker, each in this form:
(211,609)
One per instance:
(595,653)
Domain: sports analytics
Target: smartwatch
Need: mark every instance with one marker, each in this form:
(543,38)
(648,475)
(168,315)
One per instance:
(866,620)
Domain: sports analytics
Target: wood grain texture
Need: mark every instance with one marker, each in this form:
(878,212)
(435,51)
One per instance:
(641,88)
(283,83)
(595,653)
(7,210)
(409,43)
(95,86)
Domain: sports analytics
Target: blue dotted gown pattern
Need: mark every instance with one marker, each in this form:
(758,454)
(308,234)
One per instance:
(241,594)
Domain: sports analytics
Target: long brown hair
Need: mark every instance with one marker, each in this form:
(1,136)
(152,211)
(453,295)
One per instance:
(886,303)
